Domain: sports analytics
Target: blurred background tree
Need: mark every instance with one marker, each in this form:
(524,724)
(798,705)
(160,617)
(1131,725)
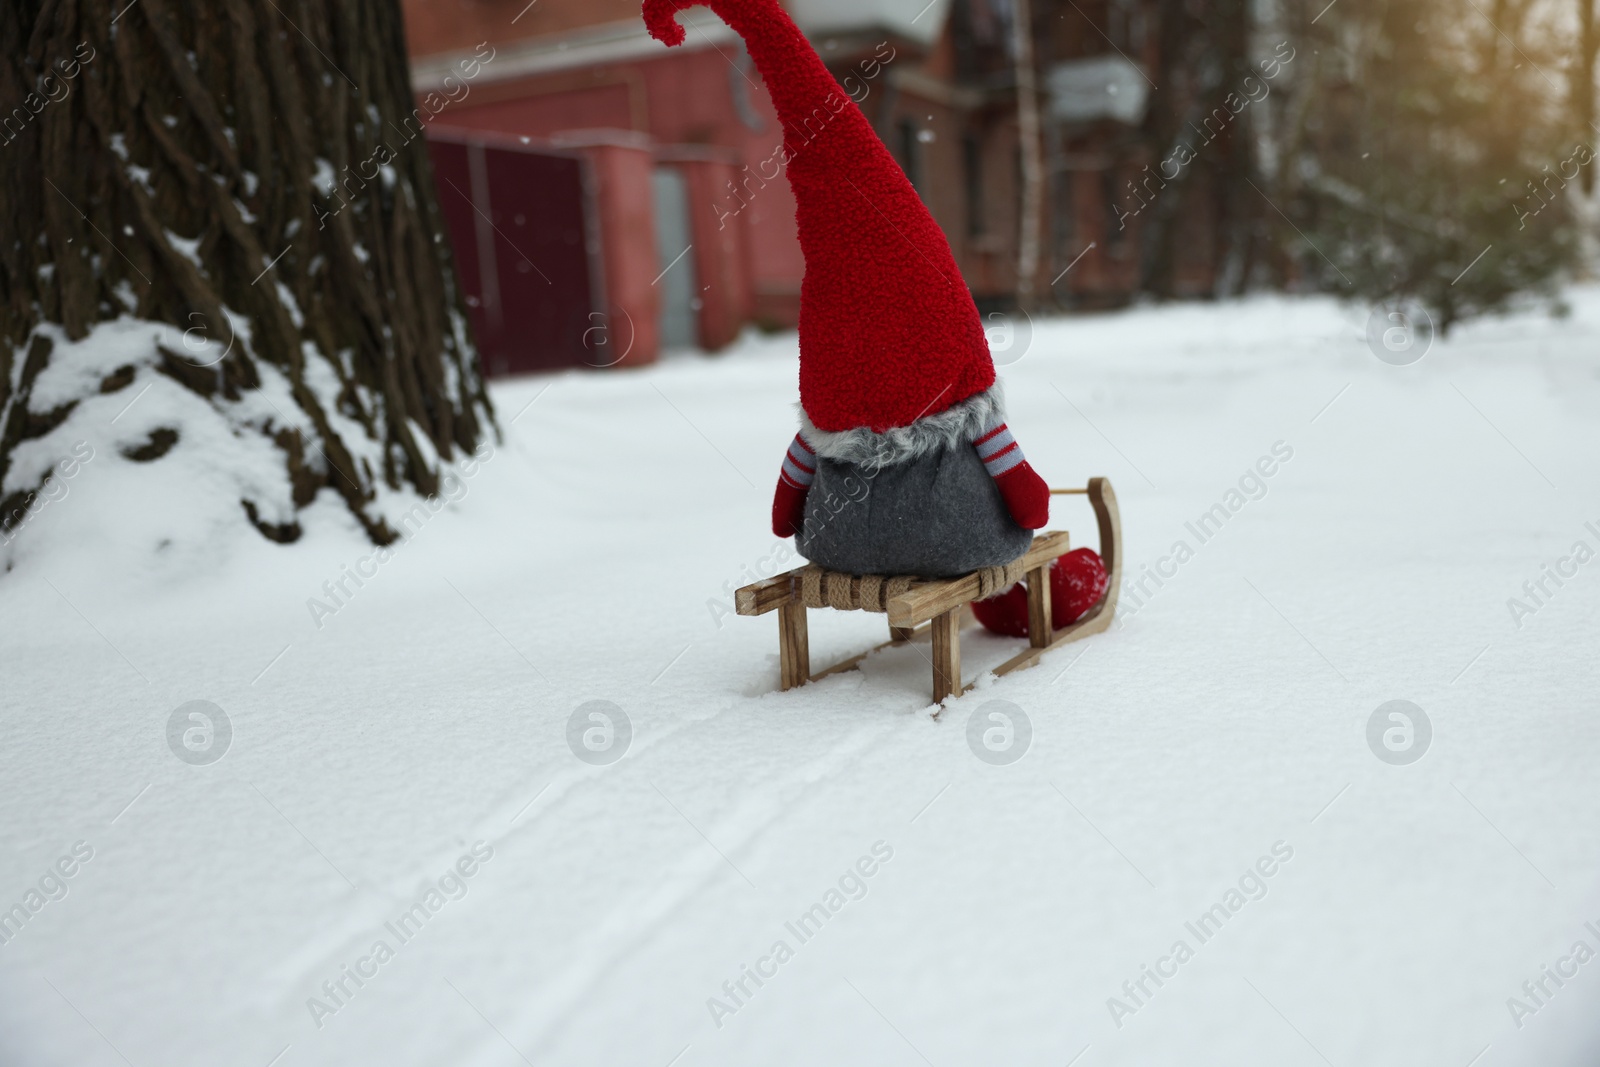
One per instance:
(1438,156)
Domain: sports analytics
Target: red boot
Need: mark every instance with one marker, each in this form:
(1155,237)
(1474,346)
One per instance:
(1077,582)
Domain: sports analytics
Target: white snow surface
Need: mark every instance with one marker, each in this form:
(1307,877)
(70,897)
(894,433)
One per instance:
(591,557)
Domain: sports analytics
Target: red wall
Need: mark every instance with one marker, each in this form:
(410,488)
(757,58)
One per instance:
(518,220)
(679,99)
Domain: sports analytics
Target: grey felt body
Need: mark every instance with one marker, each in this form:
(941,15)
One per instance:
(937,515)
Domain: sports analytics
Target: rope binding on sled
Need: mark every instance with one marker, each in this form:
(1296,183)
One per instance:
(821,588)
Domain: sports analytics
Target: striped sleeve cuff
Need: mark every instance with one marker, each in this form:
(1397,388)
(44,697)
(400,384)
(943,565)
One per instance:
(799,463)
(998,450)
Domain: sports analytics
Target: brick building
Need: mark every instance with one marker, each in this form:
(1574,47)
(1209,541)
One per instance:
(690,226)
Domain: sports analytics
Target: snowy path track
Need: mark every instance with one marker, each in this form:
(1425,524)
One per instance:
(1011,911)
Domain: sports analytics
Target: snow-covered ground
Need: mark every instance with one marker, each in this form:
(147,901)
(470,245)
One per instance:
(406,743)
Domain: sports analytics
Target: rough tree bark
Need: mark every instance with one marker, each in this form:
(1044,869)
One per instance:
(279,136)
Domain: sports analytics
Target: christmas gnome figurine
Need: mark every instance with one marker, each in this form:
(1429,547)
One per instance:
(902,422)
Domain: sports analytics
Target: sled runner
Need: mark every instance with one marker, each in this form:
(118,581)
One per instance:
(937,605)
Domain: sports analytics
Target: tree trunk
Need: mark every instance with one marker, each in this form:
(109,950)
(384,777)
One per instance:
(1583,91)
(1239,207)
(1030,213)
(252,172)
(1169,122)
(1203,47)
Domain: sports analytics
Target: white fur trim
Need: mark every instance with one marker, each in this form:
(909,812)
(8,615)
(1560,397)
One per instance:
(957,424)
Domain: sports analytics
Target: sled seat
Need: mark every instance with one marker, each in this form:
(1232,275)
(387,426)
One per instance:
(936,605)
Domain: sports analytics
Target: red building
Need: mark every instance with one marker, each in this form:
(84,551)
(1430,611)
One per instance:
(668,183)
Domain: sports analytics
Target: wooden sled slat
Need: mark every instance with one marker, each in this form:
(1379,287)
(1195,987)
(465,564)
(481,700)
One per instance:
(765,595)
(930,599)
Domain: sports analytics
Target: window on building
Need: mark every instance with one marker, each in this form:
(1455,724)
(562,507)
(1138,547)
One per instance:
(972,166)
(910,155)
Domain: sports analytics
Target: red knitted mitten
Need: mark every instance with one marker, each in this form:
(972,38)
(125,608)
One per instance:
(1026,495)
(794,481)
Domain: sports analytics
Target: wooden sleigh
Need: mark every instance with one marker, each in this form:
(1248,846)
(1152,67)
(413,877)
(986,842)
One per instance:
(937,605)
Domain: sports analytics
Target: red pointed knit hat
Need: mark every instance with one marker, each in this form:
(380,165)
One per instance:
(888,331)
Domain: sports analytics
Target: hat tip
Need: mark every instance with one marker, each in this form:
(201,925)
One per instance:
(660,20)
